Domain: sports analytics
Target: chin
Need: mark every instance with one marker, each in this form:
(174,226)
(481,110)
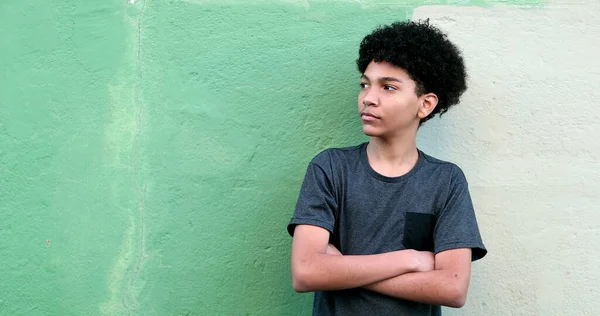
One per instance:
(371,132)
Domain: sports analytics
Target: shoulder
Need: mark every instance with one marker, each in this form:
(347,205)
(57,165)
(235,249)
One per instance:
(448,170)
(331,157)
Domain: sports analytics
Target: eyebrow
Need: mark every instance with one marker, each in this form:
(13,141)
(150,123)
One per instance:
(382,79)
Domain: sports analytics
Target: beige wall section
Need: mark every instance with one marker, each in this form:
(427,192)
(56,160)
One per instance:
(527,135)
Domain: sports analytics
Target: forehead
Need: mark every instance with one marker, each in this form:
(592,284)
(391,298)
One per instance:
(377,70)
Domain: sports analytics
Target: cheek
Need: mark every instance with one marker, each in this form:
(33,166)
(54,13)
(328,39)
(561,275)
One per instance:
(410,101)
(416,105)
(406,106)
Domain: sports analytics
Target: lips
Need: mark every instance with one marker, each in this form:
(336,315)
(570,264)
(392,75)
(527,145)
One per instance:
(368,116)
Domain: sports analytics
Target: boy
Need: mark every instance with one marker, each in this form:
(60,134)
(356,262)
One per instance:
(382,228)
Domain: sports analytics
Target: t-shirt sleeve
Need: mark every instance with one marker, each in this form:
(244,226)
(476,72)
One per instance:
(456,225)
(317,203)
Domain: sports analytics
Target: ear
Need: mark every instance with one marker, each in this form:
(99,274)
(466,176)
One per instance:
(428,103)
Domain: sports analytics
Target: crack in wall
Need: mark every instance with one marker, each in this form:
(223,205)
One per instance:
(124,155)
(140,190)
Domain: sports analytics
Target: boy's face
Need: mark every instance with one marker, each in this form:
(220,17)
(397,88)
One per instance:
(387,103)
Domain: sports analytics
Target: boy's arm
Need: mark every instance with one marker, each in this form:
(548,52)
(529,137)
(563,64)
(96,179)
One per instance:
(314,270)
(446,285)
(456,227)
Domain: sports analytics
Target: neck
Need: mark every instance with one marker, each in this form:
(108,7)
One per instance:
(393,153)
(394,150)
(392,157)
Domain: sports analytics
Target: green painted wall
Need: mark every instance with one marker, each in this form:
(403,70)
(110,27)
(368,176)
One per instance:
(151,153)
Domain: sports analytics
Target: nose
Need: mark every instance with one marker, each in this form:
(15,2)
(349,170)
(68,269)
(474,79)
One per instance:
(369,98)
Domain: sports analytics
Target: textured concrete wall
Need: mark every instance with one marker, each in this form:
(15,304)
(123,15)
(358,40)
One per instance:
(152,151)
(527,135)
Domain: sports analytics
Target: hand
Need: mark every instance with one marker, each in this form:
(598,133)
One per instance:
(332,251)
(424,260)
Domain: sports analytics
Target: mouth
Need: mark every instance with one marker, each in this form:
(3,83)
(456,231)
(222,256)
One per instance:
(365,116)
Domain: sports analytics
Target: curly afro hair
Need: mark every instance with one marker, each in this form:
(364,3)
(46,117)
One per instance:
(425,53)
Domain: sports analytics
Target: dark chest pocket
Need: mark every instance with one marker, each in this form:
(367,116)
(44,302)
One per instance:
(418,231)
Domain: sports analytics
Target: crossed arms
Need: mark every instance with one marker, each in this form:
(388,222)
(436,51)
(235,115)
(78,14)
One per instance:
(412,275)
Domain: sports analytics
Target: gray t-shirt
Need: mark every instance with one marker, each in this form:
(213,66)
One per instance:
(429,208)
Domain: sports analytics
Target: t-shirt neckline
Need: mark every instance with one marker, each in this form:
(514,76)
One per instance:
(365,161)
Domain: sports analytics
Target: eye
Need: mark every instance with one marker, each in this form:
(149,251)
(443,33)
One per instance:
(364,85)
(389,88)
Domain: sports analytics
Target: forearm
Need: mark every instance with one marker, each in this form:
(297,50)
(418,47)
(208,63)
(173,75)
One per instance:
(439,287)
(323,272)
